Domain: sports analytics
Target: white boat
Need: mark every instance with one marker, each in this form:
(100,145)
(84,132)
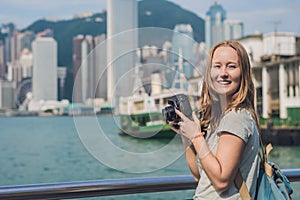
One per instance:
(141,114)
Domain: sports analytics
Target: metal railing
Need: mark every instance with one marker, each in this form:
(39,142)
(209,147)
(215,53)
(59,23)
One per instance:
(96,188)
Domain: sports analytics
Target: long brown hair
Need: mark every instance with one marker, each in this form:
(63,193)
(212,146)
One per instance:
(244,96)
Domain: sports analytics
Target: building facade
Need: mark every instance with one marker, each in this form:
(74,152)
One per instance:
(44,79)
(183,46)
(276,69)
(77,87)
(122,43)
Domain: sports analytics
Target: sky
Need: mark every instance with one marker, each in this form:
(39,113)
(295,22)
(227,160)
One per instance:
(257,15)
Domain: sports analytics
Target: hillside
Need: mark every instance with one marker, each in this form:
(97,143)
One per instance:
(152,13)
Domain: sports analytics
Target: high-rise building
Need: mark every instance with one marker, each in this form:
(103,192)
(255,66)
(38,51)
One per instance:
(233,29)
(2,60)
(44,79)
(122,23)
(77,87)
(89,59)
(24,41)
(8,29)
(61,75)
(87,68)
(218,28)
(100,66)
(6,94)
(215,17)
(183,45)
(26,62)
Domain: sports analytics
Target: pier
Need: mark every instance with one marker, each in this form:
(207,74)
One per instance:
(281,136)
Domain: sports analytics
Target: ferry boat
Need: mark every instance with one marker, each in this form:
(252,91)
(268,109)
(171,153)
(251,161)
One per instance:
(141,114)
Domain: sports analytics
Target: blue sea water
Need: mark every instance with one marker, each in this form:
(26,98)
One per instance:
(62,149)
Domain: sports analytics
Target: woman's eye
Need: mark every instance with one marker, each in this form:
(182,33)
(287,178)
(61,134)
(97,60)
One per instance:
(216,66)
(232,66)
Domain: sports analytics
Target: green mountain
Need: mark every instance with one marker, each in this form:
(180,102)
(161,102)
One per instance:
(151,13)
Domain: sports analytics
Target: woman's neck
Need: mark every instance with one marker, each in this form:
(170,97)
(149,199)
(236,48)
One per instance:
(225,101)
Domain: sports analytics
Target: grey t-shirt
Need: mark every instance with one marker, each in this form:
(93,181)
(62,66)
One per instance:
(241,124)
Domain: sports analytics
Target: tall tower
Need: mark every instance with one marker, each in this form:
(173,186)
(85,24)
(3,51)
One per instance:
(215,17)
(183,46)
(122,23)
(44,79)
(233,29)
(100,66)
(87,68)
(77,88)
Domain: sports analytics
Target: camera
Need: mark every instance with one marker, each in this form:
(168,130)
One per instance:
(179,102)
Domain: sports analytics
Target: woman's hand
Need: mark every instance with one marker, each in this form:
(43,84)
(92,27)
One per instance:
(174,126)
(187,127)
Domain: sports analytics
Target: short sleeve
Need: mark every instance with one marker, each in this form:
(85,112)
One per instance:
(239,123)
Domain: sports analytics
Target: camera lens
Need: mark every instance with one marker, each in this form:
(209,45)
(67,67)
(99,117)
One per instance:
(169,113)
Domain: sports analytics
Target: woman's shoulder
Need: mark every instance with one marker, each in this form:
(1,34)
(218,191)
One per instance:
(240,113)
(238,122)
(237,117)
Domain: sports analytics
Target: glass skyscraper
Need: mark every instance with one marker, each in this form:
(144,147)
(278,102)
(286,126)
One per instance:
(218,28)
(215,17)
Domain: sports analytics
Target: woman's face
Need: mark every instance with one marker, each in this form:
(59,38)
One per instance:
(226,71)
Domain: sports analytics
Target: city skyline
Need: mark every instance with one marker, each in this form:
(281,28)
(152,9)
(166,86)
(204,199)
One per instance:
(264,16)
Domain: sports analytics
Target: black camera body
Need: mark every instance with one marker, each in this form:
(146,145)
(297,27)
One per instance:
(179,102)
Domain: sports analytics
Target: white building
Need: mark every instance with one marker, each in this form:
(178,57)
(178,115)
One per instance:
(279,43)
(100,66)
(276,70)
(183,45)
(254,46)
(44,79)
(233,29)
(122,23)
(87,68)
(26,62)
(6,94)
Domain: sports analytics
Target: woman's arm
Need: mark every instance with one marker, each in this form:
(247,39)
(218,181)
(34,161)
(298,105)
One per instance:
(191,158)
(222,167)
(190,153)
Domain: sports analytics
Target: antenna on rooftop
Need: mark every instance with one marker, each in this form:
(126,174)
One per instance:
(275,24)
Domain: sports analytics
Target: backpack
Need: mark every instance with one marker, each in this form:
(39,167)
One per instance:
(272,184)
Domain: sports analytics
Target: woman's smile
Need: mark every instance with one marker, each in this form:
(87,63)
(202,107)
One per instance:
(224,82)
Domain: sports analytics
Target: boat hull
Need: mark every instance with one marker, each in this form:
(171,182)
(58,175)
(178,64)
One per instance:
(142,126)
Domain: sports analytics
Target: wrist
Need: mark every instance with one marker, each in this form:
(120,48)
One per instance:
(201,146)
(198,136)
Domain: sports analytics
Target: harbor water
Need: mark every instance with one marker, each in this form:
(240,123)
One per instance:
(63,149)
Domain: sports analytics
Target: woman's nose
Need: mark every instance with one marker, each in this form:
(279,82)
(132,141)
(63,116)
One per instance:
(223,72)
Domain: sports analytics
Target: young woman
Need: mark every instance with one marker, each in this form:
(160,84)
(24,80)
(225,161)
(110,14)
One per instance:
(230,142)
